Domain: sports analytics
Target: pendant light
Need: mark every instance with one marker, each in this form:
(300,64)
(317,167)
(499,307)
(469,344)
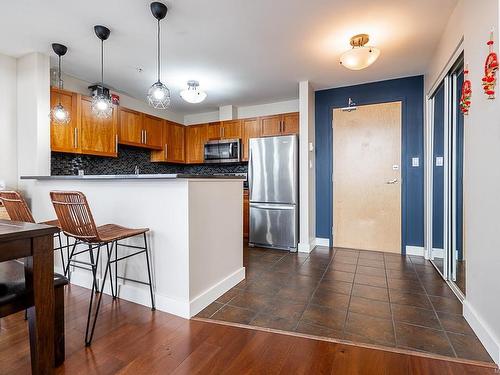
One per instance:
(360,56)
(158,94)
(101,101)
(58,113)
(193,94)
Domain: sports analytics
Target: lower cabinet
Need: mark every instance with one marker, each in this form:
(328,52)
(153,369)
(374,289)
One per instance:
(246,214)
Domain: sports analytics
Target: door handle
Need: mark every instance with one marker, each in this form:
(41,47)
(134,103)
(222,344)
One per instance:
(166,151)
(75,138)
(145,136)
(392,182)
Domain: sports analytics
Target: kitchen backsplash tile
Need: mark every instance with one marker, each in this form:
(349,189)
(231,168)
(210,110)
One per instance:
(128,158)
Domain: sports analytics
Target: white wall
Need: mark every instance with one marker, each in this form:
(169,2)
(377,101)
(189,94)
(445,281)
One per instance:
(80,86)
(473,20)
(267,109)
(8,128)
(307,179)
(33,107)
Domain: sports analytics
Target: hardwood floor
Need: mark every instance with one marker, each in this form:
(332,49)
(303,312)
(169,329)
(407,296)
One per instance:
(130,339)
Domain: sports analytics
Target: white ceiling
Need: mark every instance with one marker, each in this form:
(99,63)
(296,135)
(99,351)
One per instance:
(243,52)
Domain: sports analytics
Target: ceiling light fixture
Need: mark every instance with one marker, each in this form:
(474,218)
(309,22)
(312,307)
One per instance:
(158,94)
(193,94)
(360,56)
(101,100)
(58,113)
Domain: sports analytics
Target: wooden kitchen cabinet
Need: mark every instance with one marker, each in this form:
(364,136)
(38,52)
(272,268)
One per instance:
(195,138)
(153,132)
(213,130)
(284,124)
(246,214)
(97,136)
(230,129)
(63,138)
(173,144)
(250,129)
(131,131)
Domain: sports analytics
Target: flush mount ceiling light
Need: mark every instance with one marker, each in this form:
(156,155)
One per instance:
(158,94)
(360,56)
(193,94)
(101,101)
(58,113)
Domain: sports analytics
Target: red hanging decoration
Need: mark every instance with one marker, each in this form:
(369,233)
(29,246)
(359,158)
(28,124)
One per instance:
(465,98)
(490,69)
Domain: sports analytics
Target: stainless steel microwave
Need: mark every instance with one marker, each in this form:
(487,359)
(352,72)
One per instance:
(223,151)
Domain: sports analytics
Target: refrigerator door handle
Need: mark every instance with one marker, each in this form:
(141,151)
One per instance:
(250,172)
(272,206)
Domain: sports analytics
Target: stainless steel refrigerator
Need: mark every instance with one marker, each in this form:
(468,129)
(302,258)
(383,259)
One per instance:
(274,192)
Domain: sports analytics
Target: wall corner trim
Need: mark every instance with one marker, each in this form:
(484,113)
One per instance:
(305,247)
(322,241)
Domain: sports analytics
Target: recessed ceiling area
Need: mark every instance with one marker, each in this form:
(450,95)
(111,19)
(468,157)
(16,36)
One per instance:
(242,52)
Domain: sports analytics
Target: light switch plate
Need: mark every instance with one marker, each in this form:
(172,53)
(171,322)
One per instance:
(439,161)
(415,162)
(311,147)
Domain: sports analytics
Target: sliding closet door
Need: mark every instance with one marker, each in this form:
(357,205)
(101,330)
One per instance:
(438,180)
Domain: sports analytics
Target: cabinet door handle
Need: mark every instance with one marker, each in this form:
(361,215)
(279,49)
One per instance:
(75,138)
(145,136)
(116,143)
(166,151)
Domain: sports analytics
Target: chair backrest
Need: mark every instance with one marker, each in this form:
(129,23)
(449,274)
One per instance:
(74,215)
(16,206)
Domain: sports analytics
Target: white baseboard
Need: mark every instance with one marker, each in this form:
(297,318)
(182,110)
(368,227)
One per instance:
(305,247)
(415,250)
(490,342)
(207,297)
(140,295)
(322,241)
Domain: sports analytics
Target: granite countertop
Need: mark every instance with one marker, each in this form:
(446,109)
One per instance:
(133,177)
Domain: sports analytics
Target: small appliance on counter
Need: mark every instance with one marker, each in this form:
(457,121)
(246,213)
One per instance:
(274,192)
(223,151)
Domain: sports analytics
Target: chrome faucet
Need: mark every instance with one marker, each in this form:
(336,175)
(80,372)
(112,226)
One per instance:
(136,170)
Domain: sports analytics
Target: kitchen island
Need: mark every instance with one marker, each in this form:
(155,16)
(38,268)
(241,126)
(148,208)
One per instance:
(195,234)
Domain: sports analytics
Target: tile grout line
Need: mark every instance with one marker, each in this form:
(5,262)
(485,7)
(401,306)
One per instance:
(390,305)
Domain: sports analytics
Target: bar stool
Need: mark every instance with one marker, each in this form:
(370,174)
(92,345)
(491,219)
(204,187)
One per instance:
(18,210)
(76,220)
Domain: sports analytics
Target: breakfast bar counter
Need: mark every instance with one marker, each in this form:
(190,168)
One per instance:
(195,238)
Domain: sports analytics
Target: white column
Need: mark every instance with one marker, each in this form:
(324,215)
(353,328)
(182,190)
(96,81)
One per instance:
(228,112)
(307,170)
(8,137)
(33,107)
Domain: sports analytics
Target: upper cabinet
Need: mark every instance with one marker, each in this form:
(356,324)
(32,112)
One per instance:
(173,144)
(153,132)
(63,138)
(214,130)
(230,129)
(139,129)
(195,138)
(97,136)
(284,124)
(131,131)
(250,129)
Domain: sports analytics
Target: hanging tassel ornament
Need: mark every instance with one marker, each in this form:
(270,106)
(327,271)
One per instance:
(465,98)
(490,69)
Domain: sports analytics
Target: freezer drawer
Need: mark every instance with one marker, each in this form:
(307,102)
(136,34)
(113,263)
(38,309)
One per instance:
(273,225)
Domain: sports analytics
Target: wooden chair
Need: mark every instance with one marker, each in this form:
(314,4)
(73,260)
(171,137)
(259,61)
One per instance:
(76,220)
(18,210)
(15,297)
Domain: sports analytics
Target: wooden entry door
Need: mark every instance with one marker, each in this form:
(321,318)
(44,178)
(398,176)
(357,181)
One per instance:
(367,178)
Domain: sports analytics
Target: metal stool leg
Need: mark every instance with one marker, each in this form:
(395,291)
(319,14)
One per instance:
(66,271)
(110,254)
(94,267)
(116,267)
(88,337)
(149,273)
(61,250)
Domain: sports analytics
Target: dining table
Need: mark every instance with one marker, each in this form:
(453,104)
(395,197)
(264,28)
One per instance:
(34,242)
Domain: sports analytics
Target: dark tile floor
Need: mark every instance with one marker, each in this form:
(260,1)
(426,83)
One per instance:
(361,296)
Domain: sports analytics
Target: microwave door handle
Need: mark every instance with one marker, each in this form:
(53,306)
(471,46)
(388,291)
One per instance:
(231,149)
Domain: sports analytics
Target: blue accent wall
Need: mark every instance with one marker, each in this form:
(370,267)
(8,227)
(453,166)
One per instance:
(410,91)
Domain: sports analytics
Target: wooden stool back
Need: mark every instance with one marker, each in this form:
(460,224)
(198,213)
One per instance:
(74,215)
(16,206)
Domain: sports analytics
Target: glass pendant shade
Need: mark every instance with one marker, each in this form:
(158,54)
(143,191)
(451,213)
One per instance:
(193,94)
(359,57)
(101,106)
(60,115)
(159,96)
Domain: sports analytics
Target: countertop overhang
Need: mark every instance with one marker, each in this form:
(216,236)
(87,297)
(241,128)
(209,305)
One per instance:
(173,176)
